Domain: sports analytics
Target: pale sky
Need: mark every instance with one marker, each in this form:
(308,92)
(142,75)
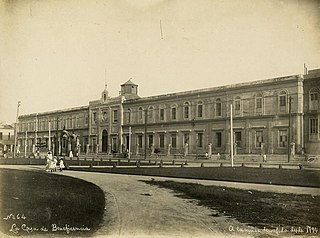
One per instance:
(54,53)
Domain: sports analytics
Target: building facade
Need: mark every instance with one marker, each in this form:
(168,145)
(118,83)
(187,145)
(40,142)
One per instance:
(6,139)
(274,116)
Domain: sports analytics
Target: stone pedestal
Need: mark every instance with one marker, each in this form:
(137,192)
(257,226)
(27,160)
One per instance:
(169,149)
(209,150)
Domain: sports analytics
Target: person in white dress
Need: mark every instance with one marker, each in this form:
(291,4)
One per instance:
(49,166)
(61,165)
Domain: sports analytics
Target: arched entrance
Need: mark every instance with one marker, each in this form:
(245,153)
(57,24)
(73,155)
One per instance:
(104,141)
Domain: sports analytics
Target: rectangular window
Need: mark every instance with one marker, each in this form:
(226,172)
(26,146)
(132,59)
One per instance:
(259,138)
(150,137)
(174,113)
(200,107)
(161,140)
(161,114)
(140,141)
(115,115)
(283,138)
(186,138)
(259,103)
(237,105)
(0,135)
(218,109)
(9,136)
(314,96)
(314,105)
(186,112)
(314,126)
(114,145)
(218,139)
(200,139)
(174,140)
(128,117)
(140,113)
(94,117)
(237,138)
(283,100)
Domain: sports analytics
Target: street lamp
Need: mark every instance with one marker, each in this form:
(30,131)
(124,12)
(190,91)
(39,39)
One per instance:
(15,130)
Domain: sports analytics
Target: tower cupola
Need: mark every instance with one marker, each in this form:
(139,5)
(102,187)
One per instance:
(129,89)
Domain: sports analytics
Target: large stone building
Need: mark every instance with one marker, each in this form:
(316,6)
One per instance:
(269,116)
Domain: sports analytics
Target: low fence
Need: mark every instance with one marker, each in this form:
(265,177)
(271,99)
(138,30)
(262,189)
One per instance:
(114,162)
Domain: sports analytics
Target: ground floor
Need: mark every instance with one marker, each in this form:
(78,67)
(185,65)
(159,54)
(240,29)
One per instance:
(263,135)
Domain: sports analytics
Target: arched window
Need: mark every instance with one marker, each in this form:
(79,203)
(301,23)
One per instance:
(151,114)
(162,113)
(314,99)
(128,116)
(218,108)
(186,110)
(174,112)
(140,113)
(200,109)
(237,106)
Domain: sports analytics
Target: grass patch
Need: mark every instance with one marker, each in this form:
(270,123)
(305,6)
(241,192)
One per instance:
(255,208)
(306,178)
(41,202)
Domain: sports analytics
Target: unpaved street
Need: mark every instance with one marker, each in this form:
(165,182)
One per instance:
(135,209)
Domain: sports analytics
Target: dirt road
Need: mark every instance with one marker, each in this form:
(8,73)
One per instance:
(137,209)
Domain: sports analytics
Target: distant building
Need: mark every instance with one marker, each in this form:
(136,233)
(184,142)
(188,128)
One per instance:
(6,138)
(191,122)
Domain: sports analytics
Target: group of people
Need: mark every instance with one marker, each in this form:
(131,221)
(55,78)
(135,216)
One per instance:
(52,161)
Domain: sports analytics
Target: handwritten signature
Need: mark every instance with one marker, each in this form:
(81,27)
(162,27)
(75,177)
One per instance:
(278,230)
(54,228)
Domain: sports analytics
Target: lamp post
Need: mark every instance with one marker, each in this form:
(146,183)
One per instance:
(289,131)
(145,132)
(231,135)
(15,130)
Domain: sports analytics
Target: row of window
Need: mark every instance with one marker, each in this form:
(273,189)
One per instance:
(259,108)
(4,137)
(186,110)
(68,123)
(173,139)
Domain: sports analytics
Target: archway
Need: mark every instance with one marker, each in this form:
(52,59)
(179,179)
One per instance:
(104,141)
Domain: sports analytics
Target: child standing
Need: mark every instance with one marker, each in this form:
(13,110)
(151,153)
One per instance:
(61,165)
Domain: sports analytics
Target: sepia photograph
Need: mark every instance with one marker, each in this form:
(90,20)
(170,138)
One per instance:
(160,118)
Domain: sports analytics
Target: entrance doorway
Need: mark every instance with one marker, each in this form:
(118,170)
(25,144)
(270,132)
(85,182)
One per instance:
(104,141)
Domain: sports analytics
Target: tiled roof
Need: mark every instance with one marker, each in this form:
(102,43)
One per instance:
(129,82)
(9,127)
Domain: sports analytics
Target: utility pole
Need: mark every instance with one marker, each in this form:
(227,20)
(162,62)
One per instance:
(49,142)
(145,132)
(231,135)
(15,130)
(129,144)
(56,139)
(25,145)
(289,130)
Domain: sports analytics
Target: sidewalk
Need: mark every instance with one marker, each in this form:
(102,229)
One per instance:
(239,185)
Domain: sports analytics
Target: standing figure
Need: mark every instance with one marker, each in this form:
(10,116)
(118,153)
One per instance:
(61,165)
(264,158)
(55,161)
(49,167)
